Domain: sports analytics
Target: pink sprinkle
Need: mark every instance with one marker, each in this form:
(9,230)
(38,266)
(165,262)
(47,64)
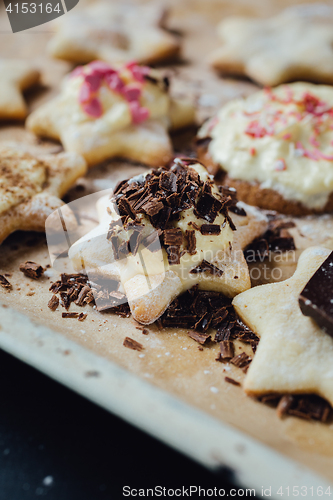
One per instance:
(94,81)
(280,165)
(254,129)
(93,108)
(286,137)
(137,71)
(326,157)
(253,151)
(76,72)
(131,92)
(139,114)
(114,82)
(314,141)
(84,93)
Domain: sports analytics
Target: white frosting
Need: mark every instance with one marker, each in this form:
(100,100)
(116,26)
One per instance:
(116,113)
(272,138)
(150,263)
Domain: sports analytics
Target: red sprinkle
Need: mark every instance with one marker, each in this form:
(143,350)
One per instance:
(93,108)
(254,129)
(84,93)
(253,151)
(131,92)
(94,80)
(139,114)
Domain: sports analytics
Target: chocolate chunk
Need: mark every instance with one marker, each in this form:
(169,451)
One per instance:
(210,229)
(284,405)
(53,303)
(173,253)
(227,350)
(152,207)
(241,360)
(83,293)
(173,236)
(134,241)
(125,208)
(316,299)
(82,316)
(206,267)
(231,381)
(4,282)
(31,269)
(70,315)
(199,337)
(191,241)
(168,181)
(132,344)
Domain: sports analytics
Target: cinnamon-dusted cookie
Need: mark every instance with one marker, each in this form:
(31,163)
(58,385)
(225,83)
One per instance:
(114,32)
(294,355)
(276,148)
(105,111)
(294,45)
(15,77)
(165,232)
(31,188)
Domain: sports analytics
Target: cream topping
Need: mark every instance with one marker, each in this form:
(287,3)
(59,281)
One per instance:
(150,263)
(281,138)
(113,98)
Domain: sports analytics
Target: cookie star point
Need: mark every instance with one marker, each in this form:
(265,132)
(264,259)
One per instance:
(15,77)
(294,45)
(294,354)
(31,187)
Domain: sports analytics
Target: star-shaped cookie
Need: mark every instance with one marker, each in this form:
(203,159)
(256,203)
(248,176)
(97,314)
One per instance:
(155,260)
(31,188)
(106,111)
(114,32)
(297,44)
(15,77)
(294,355)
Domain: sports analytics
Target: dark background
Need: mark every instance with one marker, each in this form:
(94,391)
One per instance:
(47,430)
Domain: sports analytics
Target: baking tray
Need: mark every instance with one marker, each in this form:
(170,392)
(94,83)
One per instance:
(171,389)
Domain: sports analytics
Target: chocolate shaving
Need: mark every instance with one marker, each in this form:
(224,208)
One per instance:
(173,236)
(53,303)
(275,239)
(206,267)
(78,289)
(70,315)
(173,253)
(305,406)
(4,282)
(191,241)
(241,360)
(231,381)
(227,350)
(210,229)
(132,344)
(31,269)
(201,338)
